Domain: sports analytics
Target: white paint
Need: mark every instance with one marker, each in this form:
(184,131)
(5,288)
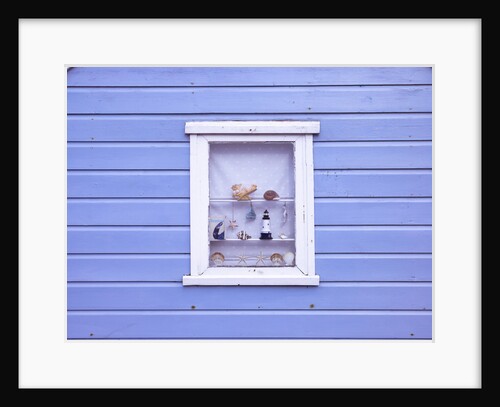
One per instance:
(303,273)
(253,127)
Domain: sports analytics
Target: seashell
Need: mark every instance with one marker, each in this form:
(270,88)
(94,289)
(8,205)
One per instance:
(243,235)
(288,257)
(271,195)
(276,259)
(282,236)
(217,258)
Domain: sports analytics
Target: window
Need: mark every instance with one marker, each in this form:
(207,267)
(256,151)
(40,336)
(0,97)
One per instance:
(252,203)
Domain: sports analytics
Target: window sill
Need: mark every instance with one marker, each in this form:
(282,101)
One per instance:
(251,280)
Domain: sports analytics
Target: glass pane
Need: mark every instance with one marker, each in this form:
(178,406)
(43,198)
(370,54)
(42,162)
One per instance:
(252,205)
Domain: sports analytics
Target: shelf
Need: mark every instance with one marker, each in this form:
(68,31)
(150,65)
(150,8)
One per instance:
(255,240)
(251,200)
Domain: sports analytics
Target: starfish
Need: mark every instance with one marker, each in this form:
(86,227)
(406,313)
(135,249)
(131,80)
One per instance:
(233,224)
(260,259)
(242,259)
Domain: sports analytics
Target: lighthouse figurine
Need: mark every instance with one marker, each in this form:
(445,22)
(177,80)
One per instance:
(265,233)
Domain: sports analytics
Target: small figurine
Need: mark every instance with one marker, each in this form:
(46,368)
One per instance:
(216,228)
(282,236)
(243,235)
(242,193)
(265,233)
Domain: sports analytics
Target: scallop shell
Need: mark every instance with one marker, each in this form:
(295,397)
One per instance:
(283,236)
(271,195)
(288,257)
(217,258)
(276,259)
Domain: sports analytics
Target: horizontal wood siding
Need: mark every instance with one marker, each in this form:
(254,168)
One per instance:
(194,324)
(128,203)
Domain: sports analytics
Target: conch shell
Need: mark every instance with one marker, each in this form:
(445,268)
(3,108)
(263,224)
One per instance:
(242,193)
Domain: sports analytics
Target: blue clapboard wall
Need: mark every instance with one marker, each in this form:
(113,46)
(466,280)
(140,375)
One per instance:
(128,202)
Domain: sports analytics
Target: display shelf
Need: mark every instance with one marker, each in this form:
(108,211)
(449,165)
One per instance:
(251,200)
(254,240)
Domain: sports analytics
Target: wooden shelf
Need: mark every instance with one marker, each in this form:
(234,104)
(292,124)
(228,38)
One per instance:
(252,200)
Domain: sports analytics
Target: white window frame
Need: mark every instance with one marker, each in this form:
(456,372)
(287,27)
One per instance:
(300,133)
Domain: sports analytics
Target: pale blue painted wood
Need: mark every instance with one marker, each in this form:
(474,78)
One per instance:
(174,296)
(107,212)
(175,239)
(374,267)
(372,183)
(261,324)
(247,76)
(322,99)
(125,184)
(170,128)
(127,267)
(175,156)
(368,155)
(151,239)
(175,184)
(171,267)
(175,212)
(373,239)
(135,156)
(373,211)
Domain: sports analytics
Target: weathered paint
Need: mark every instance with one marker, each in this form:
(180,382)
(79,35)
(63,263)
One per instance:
(128,206)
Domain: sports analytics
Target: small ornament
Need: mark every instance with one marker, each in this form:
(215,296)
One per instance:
(284,215)
(271,195)
(242,260)
(242,193)
(260,259)
(217,258)
(251,215)
(283,236)
(232,223)
(216,228)
(288,257)
(276,259)
(243,235)
(265,232)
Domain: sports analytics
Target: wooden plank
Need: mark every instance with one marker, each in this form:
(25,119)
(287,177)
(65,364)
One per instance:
(325,99)
(175,156)
(125,184)
(310,324)
(128,156)
(373,211)
(170,128)
(374,267)
(372,183)
(329,239)
(128,212)
(128,239)
(127,267)
(175,184)
(247,76)
(171,267)
(175,212)
(174,296)
(373,239)
(368,155)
